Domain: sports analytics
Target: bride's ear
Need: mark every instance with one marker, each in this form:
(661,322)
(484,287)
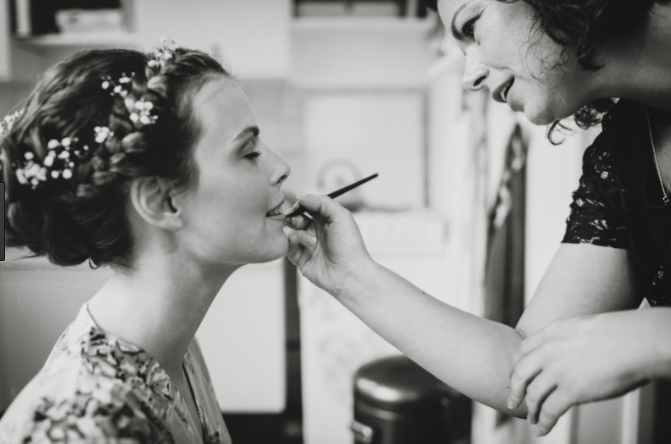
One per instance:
(152,200)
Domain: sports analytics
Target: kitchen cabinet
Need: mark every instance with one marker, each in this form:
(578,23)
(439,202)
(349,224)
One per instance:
(5,68)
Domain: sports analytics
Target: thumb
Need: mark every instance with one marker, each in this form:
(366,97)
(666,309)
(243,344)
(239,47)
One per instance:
(321,205)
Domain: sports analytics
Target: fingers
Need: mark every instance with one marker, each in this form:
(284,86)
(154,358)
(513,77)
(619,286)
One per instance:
(320,205)
(556,404)
(537,391)
(523,373)
(301,245)
(299,222)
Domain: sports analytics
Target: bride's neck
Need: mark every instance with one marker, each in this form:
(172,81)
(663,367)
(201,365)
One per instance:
(158,307)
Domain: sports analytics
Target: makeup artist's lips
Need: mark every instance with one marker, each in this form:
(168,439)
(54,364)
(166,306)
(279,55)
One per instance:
(501,93)
(277,211)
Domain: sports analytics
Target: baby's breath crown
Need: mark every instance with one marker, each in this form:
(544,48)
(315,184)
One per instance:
(63,156)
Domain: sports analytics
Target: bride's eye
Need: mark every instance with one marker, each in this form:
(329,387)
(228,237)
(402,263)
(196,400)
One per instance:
(252,155)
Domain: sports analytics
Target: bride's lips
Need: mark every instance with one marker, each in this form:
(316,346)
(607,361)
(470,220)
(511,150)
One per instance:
(276,211)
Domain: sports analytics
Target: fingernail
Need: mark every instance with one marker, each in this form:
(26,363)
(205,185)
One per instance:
(510,403)
(286,230)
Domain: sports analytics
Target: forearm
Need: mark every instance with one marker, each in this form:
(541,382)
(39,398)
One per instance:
(655,325)
(469,353)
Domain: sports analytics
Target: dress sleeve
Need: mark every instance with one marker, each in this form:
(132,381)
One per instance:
(103,415)
(597,216)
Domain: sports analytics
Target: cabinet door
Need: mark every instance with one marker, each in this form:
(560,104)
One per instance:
(37,302)
(5,32)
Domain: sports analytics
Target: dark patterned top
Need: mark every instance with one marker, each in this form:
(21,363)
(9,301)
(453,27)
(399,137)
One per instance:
(98,388)
(619,201)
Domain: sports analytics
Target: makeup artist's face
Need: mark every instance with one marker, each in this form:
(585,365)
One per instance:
(229,212)
(519,64)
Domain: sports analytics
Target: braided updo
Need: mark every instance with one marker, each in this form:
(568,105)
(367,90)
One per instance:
(85,217)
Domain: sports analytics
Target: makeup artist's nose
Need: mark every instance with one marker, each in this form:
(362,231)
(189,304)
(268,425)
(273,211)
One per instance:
(475,74)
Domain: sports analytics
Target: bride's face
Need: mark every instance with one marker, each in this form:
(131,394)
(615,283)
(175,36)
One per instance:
(230,216)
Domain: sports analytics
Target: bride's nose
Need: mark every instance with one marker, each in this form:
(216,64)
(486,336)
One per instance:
(280,170)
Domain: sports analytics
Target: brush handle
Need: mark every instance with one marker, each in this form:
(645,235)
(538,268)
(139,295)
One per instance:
(333,194)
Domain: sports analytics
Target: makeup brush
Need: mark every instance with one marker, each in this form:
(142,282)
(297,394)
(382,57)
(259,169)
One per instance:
(334,194)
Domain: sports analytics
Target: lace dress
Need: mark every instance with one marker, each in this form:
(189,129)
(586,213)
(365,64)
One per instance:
(98,388)
(619,201)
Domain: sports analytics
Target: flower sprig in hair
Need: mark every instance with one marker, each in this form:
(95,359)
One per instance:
(117,88)
(8,122)
(162,53)
(139,110)
(63,156)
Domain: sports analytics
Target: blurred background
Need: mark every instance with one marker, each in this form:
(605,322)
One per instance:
(470,204)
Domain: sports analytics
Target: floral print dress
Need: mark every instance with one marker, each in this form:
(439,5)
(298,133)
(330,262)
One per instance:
(98,388)
(619,202)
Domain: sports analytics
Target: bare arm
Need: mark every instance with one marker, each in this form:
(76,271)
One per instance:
(471,354)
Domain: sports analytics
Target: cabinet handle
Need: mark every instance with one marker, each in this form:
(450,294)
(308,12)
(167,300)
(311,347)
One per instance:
(362,432)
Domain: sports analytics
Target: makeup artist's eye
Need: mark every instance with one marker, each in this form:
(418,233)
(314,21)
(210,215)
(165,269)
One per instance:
(468,28)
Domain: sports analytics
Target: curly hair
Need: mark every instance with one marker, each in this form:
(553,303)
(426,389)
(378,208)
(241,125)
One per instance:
(85,217)
(582,26)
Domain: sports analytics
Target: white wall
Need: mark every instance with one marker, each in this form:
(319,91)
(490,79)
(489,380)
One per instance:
(361,53)
(251,35)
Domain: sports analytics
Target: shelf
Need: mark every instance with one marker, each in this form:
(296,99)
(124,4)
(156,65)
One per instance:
(112,39)
(361,23)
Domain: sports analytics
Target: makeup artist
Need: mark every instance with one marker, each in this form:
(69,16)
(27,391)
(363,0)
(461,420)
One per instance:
(581,338)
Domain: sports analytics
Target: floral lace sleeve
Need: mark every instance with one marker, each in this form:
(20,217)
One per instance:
(596,215)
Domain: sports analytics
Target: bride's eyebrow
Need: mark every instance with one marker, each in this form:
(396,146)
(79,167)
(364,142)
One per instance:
(254,130)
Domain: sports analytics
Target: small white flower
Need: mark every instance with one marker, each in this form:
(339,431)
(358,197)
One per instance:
(49,161)
(34,182)
(29,156)
(145,120)
(117,89)
(53,143)
(66,142)
(55,174)
(148,106)
(21,176)
(124,79)
(67,174)
(134,117)
(152,63)
(102,133)
(64,155)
